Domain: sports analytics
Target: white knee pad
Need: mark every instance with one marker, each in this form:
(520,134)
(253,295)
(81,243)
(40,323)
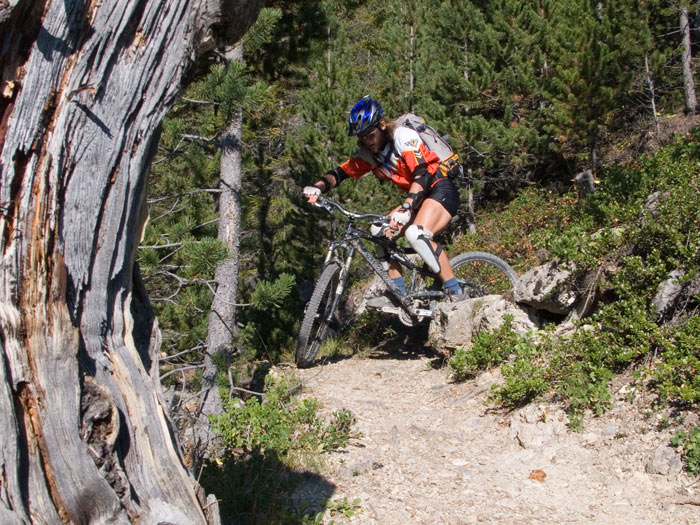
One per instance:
(419,239)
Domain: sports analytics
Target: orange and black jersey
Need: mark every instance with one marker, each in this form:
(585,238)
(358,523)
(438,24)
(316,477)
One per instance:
(401,161)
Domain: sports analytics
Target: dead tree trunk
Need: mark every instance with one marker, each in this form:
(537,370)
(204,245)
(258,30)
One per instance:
(84,88)
(652,94)
(688,80)
(222,315)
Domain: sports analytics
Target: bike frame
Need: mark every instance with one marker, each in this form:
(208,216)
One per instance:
(350,242)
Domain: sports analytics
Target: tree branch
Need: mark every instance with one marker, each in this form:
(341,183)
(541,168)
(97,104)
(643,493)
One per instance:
(181,369)
(201,102)
(184,194)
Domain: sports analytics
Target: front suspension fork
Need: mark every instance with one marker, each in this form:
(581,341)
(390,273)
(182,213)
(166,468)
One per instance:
(342,278)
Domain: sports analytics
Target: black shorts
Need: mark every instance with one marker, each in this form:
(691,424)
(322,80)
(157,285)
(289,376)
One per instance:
(446,193)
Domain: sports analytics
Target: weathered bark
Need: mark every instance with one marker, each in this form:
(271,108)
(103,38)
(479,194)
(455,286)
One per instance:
(85,85)
(471,214)
(652,93)
(688,81)
(222,315)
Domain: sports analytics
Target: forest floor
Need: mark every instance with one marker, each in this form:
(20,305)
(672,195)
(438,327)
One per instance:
(434,451)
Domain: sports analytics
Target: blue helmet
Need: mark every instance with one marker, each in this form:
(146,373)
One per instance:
(364,115)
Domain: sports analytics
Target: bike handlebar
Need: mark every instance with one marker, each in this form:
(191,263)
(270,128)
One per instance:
(328,204)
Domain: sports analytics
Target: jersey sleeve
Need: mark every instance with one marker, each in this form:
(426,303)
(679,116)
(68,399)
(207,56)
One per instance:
(356,167)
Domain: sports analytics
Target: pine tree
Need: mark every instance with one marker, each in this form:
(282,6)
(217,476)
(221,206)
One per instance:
(482,74)
(593,72)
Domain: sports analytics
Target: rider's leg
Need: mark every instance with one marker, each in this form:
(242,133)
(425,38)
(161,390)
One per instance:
(433,216)
(392,267)
(396,276)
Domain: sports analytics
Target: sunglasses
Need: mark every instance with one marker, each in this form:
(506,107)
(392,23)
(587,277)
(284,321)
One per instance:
(369,135)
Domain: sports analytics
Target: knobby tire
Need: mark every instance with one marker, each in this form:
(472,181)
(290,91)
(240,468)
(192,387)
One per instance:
(490,274)
(314,327)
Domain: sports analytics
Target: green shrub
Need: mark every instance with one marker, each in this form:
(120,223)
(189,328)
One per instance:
(281,423)
(488,349)
(689,443)
(678,374)
(369,329)
(264,445)
(524,382)
(585,386)
(516,232)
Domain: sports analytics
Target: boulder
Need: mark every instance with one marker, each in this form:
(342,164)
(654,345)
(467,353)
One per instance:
(665,462)
(536,425)
(550,287)
(668,293)
(455,324)
(676,295)
(654,201)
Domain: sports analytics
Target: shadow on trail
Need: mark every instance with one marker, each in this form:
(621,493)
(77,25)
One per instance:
(403,342)
(257,487)
(399,342)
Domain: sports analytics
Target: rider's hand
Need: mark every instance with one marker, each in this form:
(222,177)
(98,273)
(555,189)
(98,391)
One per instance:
(311,193)
(400,217)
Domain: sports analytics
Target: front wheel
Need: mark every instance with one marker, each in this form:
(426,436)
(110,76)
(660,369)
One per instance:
(315,325)
(481,273)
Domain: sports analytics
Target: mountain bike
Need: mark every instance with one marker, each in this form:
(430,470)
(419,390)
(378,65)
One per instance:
(478,273)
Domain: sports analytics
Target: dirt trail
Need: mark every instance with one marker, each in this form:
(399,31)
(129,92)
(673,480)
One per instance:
(432,452)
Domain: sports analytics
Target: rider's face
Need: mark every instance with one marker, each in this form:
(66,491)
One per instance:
(373,140)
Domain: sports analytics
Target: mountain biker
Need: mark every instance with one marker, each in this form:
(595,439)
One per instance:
(396,153)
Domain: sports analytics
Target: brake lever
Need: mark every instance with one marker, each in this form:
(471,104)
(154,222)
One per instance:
(380,221)
(321,203)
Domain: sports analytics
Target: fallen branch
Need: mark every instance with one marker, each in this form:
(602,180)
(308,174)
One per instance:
(687,501)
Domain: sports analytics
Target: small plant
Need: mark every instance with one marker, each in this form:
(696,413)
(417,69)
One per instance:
(664,423)
(334,347)
(264,441)
(282,423)
(525,378)
(677,375)
(689,444)
(368,330)
(488,349)
(344,507)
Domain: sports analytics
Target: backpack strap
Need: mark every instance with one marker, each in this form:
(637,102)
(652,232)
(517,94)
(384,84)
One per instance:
(367,156)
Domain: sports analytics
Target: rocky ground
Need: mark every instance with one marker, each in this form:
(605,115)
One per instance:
(433,451)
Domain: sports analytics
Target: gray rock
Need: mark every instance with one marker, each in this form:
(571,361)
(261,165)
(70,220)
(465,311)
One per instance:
(653,202)
(535,425)
(364,467)
(668,292)
(455,324)
(548,287)
(665,462)
(610,430)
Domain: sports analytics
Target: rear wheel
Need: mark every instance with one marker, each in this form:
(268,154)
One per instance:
(315,325)
(481,273)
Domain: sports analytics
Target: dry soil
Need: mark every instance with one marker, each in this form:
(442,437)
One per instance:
(434,451)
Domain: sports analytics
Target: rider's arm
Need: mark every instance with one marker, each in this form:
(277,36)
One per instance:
(354,167)
(331,179)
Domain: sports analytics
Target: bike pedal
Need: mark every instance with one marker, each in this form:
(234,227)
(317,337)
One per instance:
(381,302)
